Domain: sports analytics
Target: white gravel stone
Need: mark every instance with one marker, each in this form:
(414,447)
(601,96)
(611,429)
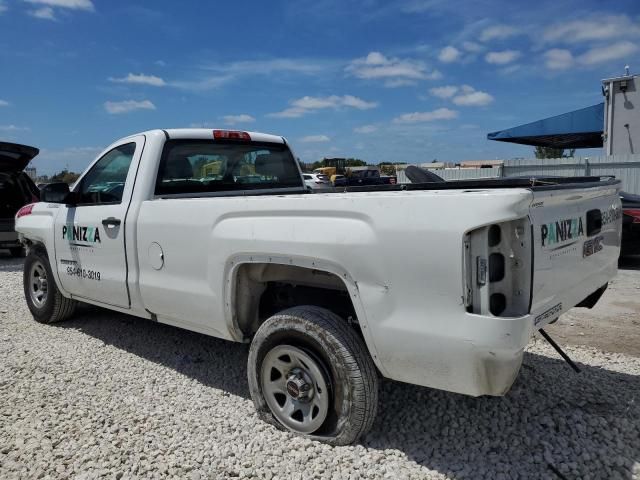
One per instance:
(108,395)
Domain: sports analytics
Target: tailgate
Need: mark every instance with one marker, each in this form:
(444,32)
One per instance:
(576,231)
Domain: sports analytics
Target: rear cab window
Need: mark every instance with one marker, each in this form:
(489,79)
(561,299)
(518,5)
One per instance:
(192,167)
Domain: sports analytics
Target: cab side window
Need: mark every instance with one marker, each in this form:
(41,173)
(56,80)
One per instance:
(104,183)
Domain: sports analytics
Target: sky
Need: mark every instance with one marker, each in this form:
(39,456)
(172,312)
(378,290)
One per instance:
(402,81)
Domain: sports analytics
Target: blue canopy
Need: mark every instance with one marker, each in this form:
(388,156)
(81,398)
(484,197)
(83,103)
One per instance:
(578,129)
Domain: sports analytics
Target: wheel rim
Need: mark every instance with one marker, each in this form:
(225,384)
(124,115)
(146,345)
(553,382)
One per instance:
(295,388)
(38,285)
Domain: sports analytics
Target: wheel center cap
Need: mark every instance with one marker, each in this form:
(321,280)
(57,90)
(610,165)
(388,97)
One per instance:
(298,387)
(292,389)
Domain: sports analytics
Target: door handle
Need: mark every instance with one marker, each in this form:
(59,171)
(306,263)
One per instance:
(111,222)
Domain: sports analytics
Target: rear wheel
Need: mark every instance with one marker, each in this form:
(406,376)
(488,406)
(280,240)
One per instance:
(46,303)
(310,373)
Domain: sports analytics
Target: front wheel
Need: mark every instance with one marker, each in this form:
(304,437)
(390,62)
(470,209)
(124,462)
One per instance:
(46,303)
(310,373)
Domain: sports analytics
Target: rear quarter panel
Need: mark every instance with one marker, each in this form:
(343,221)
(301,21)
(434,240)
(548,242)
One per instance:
(401,254)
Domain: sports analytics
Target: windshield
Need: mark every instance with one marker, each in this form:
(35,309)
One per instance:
(194,166)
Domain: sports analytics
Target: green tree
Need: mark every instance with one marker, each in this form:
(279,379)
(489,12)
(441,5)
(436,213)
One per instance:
(65,176)
(355,162)
(387,168)
(550,152)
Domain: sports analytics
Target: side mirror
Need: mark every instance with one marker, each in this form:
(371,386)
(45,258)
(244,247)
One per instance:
(55,193)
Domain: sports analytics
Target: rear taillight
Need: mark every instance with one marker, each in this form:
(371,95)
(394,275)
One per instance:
(26,210)
(231,135)
(497,269)
(633,213)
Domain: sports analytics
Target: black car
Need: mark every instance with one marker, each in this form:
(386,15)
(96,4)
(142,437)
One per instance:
(16,190)
(630,224)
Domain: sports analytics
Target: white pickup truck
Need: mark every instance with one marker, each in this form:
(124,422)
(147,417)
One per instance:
(438,284)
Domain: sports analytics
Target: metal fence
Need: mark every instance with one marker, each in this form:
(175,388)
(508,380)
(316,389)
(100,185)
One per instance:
(623,167)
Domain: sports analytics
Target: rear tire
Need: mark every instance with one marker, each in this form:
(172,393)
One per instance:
(310,373)
(46,303)
(17,252)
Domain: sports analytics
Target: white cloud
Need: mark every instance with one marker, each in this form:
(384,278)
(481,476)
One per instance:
(234,119)
(140,79)
(472,47)
(291,112)
(449,54)
(3,7)
(470,97)
(558,59)
(464,96)
(313,103)
(399,82)
(394,71)
(315,139)
(69,4)
(447,91)
(128,106)
(307,104)
(202,85)
(227,72)
(562,59)
(617,51)
(366,129)
(601,27)
(44,13)
(503,57)
(420,6)
(497,32)
(4,103)
(510,69)
(355,102)
(270,66)
(13,128)
(417,117)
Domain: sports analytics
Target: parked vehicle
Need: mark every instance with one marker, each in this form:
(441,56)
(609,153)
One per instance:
(16,190)
(464,272)
(339,180)
(356,176)
(315,181)
(630,224)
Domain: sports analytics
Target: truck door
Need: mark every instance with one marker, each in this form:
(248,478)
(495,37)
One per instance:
(90,235)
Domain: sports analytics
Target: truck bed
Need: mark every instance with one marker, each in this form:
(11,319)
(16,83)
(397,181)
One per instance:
(532,183)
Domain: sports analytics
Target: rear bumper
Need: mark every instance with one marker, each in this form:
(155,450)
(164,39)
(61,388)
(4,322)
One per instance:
(474,354)
(9,239)
(481,355)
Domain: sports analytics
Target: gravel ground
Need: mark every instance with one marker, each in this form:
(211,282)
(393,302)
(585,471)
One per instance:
(108,395)
(613,325)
